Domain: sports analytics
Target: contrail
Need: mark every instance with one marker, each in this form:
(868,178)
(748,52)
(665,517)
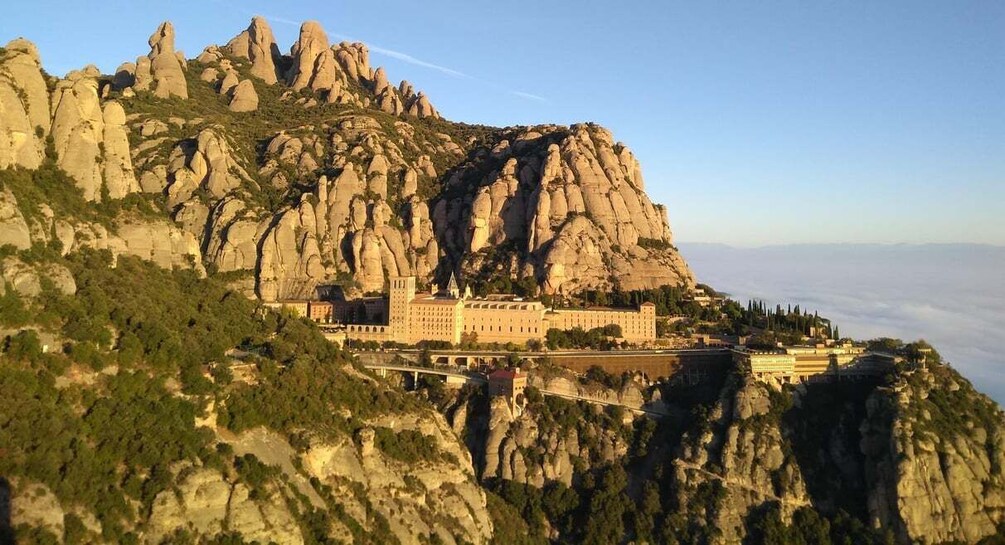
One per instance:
(405,57)
(529,96)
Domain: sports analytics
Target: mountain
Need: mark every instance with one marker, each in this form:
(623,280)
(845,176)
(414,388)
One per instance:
(289,171)
(148,396)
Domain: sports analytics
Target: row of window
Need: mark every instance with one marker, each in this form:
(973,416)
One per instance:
(476,328)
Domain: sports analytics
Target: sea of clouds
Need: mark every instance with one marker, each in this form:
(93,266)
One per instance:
(952,295)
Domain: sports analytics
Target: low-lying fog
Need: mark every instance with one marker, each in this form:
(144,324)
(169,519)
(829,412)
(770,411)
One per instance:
(952,295)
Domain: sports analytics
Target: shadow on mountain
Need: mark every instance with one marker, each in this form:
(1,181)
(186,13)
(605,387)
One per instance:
(6,532)
(822,431)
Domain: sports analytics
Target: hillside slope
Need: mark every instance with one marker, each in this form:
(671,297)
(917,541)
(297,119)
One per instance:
(146,405)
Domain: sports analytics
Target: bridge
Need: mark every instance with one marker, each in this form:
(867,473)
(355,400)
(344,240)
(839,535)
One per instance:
(450,376)
(653,363)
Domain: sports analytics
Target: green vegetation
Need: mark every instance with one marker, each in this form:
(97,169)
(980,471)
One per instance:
(785,325)
(96,448)
(509,525)
(766,528)
(49,185)
(598,338)
(113,441)
(655,244)
(410,446)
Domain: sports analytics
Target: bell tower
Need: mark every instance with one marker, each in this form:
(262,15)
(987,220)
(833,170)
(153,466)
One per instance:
(402,293)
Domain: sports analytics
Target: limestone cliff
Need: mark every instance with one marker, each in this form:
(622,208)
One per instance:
(309,168)
(915,460)
(935,450)
(24,106)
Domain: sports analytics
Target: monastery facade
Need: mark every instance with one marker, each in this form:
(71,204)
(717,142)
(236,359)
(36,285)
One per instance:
(448,315)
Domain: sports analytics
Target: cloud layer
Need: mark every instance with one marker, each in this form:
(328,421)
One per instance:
(951,295)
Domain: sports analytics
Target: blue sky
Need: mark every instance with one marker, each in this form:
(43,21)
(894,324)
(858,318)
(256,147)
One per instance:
(756,122)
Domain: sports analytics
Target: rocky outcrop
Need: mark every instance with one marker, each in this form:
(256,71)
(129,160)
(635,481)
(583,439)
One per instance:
(13,227)
(116,159)
(575,199)
(91,141)
(26,279)
(418,499)
(935,453)
(207,163)
(258,45)
(205,503)
(162,71)
(159,241)
(24,106)
(527,445)
(564,205)
(313,61)
(245,98)
(742,454)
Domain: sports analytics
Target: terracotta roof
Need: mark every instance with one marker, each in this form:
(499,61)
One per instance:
(503,373)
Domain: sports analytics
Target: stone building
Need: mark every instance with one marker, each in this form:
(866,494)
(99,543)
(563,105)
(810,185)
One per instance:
(636,325)
(802,363)
(446,315)
(509,384)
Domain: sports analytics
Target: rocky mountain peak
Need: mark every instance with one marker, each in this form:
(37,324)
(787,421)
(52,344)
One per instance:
(306,52)
(162,70)
(258,45)
(353,195)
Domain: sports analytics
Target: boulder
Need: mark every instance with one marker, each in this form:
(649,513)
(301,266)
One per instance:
(245,98)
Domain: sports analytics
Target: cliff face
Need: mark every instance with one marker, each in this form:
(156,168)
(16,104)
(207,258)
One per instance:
(289,171)
(935,453)
(917,460)
(367,494)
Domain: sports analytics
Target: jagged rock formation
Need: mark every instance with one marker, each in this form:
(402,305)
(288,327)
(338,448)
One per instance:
(935,450)
(565,206)
(79,130)
(574,200)
(90,138)
(24,106)
(742,454)
(313,60)
(528,445)
(919,459)
(258,45)
(162,71)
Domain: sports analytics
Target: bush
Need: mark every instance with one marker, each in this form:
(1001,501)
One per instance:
(408,445)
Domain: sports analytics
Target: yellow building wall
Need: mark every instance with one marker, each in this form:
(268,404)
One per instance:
(504,321)
(636,325)
(434,320)
(412,319)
